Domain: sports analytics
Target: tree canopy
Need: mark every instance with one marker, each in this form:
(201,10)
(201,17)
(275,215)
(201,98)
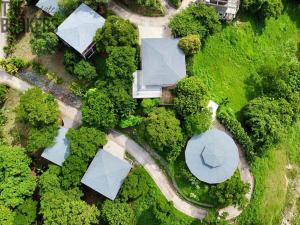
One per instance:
(84,70)
(116,32)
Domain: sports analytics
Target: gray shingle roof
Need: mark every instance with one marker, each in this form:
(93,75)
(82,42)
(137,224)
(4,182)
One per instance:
(163,62)
(79,29)
(106,174)
(49,6)
(60,150)
(212,156)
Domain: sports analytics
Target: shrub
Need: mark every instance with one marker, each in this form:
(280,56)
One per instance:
(135,185)
(175,3)
(39,68)
(50,180)
(3,92)
(145,7)
(228,119)
(197,18)
(190,44)
(26,213)
(115,213)
(116,32)
(94,102)
(39,138)
(191,96)
(265,8)
(6,216)
(163,132)
(148,104)
(198,123)
(44,44)
(53,77)
(13,65)
(213,218)
(71,58)
(85,70)
(130,121)
(38,108)
(15,20)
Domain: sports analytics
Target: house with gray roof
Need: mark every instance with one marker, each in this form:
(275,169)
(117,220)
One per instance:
(48,6)
(227,9)
(106,174)
(212,157)
(79,29)
(163,65)
(60,151)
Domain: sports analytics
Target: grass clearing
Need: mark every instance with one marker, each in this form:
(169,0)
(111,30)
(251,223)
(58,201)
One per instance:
(229,59)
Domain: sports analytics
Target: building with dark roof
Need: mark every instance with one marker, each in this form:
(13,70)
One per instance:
(163,65)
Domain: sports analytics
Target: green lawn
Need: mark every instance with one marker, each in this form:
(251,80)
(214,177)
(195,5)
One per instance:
(230,58)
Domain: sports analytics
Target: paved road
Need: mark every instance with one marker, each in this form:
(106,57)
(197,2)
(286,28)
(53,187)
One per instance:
(150,27)
(72,118)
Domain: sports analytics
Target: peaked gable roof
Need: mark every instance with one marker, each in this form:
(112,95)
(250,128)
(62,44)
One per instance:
(79,29)
(60,150)
(163,62)
(49,6)
(106,174)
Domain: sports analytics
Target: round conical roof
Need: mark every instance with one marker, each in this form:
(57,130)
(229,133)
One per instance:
(212,156)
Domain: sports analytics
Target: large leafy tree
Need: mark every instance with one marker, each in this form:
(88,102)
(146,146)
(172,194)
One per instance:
(191,96)
(163,133)
(197,18)
(115,213)
(16,181)
(38,108)
(116,32)
(98,110)
(85,70)
(198,123)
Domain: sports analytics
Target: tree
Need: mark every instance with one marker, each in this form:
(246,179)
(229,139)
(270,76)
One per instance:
(163,133)
(84,70)
(116,32)
(191,96)
(231,192)
(26,213)
(121,64)
(190,44)
(266,119)
(198,123)
(66,208)
(16,181)
(6,216)
(44,44)
(265,8)
(135,185)
(98,110)
(115,213)
(85,142)
(148,104)
(50,180)
(71,58)
(197,18)
(38,108)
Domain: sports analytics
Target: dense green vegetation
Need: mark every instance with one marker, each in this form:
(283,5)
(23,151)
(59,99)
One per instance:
(145,7)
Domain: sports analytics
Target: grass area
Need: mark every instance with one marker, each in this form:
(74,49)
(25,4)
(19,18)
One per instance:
(143,205)
(232,57)
(9,129)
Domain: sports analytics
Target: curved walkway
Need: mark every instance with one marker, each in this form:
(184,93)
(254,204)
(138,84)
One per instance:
(72,118)
(150,27)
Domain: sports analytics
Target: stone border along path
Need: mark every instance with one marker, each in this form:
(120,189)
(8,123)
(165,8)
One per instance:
(150,27)
(72,118)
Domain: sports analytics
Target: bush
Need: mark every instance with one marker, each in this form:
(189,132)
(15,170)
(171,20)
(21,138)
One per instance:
(40,138)
(198,123)
(15,20)
(265,8)
(85,70)
(44,44)
(71,58)
(230,192)
(3,92)
(145,7)
(163,132)
(175,3)
(135,185)
(116,32)
(148,104)
(6,216)
(26,213)
(190,44)
(130,121)
(38,108)
(197,18)
(39,68)
(50,180)
(191,96)
(95,102)
(53,77)
(213,218)
(228,119)
(13,65)
(115,213)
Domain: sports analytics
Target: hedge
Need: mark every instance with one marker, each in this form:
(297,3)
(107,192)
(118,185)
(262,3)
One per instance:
(228,119)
